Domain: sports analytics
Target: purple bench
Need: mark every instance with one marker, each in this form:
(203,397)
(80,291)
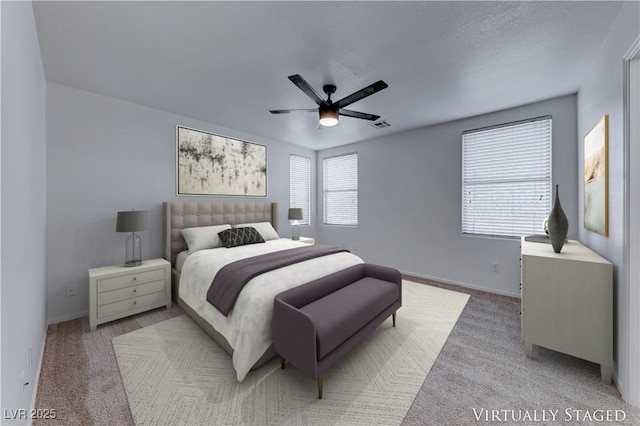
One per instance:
(316,324)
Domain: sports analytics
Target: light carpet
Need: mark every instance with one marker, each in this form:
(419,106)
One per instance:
(173,373)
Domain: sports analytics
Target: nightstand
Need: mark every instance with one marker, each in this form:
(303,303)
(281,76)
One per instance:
(118,291)
(307,240)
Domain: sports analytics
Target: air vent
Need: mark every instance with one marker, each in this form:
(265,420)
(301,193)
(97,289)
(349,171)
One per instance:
(380,124)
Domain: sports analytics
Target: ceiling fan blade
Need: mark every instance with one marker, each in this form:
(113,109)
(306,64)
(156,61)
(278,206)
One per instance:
(306,88)
(287,111)
(356,114)
(363,93)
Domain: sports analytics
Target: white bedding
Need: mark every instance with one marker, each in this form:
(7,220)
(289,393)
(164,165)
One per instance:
(248,326)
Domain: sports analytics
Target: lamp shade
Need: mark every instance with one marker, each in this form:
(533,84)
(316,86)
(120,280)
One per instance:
(328,116)
(295,214)
(132,221)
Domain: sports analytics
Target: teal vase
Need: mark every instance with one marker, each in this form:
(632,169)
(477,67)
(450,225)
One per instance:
(557,224)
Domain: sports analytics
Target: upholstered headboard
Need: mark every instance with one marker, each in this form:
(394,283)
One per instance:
(177,216)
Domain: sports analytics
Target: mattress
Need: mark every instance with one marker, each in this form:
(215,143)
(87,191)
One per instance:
(180,259)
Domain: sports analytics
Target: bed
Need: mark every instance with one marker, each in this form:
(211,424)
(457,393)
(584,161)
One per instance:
(245,333)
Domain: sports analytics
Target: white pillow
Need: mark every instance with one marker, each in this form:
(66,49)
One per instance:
(264,228)
(204,237)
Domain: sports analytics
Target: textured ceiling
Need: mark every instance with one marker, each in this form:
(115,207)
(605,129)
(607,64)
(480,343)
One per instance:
(227,62)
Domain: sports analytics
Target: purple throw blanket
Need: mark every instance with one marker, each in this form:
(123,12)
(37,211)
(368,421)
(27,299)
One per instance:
(231,278)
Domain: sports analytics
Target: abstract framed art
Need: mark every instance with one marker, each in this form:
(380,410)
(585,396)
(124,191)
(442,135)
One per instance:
(210,164)
(596,177)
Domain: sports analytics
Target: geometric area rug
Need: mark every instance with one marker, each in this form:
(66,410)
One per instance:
(173,373)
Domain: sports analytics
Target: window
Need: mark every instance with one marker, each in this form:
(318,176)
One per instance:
(300,186)
(340,189)
(506,178)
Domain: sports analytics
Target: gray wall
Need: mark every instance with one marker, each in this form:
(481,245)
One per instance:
(23,205)
(602,92)
(106,155)
(410,200)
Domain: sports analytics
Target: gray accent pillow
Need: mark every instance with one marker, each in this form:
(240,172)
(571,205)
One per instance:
(240,236)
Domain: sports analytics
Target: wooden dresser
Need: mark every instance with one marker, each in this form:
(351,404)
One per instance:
(118,291)
(567,302)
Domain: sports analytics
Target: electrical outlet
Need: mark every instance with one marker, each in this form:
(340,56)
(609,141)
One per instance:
(495,267)
(71,290)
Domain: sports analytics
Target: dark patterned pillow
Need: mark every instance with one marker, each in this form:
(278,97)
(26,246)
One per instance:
(240,236)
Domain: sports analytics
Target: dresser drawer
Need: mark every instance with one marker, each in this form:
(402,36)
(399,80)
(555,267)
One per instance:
(108,284)
(131,304)
(131,291)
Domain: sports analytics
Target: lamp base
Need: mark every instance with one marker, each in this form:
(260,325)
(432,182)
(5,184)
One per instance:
(133,250)
(295,231)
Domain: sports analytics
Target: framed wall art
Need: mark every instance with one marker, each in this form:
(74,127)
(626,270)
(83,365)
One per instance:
(210,164)
(596,176)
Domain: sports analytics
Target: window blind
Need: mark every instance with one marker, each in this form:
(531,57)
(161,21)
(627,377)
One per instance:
(340,189)
(300,186)
(506,178)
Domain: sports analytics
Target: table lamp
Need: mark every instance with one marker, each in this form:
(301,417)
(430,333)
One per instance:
(133,221)
(295,214)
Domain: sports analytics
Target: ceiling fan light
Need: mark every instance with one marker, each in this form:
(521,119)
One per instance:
(328,117)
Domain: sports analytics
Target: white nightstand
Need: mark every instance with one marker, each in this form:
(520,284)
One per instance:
(307,240)
(118,291)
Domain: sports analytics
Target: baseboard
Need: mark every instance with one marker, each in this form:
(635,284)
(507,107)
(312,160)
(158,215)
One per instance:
(67,317)
(616,381)
(36,377)
(461,284)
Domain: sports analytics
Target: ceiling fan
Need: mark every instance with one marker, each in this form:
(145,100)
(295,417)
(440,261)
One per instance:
(329,110)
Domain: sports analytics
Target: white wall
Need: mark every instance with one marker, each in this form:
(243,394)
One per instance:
(602,93)
(106,155)
(410,200)
(1,405)
(632,258)
(23,271)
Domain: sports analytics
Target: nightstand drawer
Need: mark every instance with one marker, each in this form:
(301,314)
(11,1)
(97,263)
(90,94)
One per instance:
(131,291)
(108,284)
(131,304)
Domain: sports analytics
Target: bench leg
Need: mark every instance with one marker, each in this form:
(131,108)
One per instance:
(320,379)
(282,361)
(393,317)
